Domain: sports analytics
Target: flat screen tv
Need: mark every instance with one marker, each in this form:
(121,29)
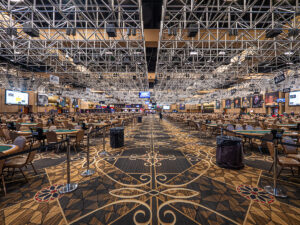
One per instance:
(271,98)
(182,107)
(144,94)
(294,98)
(257,101)
(16,98)
(218,105)
(42,100)
(237,103)
(227,103)
(246,102)
(166,107)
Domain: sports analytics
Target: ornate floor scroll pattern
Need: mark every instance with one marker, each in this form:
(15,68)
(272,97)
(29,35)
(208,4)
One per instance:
(161,176)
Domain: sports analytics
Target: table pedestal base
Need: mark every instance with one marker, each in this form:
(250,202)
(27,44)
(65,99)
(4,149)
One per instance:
(277,192)
(68,188)
(88,173)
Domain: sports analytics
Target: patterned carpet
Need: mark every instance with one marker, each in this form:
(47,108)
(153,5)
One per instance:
(165,174)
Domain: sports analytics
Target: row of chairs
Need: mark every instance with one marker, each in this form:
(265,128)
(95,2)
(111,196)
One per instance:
(20,161)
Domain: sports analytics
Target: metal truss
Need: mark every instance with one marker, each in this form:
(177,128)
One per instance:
(230,43)
(73,42)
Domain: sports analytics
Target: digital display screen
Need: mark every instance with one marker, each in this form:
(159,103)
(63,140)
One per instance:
(246,102)
(227,103)
(218,105)
(166,107)
(182,107)
(16,98)
(271,98)
(237,103)
(42,100)
(294,98)
(144,94)
(257,101)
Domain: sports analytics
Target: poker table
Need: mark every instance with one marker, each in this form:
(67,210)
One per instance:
(98,124)
(28,124)
(287,125)
(8,149)
(215,125)
(262,132)
(58,132)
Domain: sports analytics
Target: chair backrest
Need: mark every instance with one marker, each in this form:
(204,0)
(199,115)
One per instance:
(80,136)
(230,127)
(77,127)
(203,127)
(6,134)
(266,137)
(270,146)
(91,129)
(20,142)
(30,157)
(13,135)
(1,163)
(52,128)
(51,137)
(287,148)
(257,128)
(239,127)
(249,127)
(70,126)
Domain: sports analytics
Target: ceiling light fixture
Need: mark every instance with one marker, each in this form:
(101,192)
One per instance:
(193,53)
(222,53)
(289,53)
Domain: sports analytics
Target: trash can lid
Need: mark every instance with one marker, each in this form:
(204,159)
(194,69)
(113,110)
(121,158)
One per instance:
(227,139)
(117,128)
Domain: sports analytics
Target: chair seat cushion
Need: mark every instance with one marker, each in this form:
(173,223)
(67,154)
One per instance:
(285,161)
(294,156)
(15,162)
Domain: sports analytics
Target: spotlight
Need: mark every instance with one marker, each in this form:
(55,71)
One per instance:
(30,30)
(111,30)
(289,53)
(133,31)
(128,31)
(71,31)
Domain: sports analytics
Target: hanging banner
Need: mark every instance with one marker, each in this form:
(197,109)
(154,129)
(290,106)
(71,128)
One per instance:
(54,79)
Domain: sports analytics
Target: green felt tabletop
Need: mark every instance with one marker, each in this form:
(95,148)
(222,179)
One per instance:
(28,123)
(253,131)
(59,130)
(4,148)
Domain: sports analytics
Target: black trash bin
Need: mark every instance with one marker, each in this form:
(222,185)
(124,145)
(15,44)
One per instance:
(229,152)
(117,137)
(139,119)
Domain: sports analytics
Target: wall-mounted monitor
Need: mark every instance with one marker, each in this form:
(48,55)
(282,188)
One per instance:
(218,105)
(144,94)
(16,98)
(294,98)
(182,107)
(246,102)
(237,103)
(166,107)
(257,101)
(42,100)
(271,98)
(227,103)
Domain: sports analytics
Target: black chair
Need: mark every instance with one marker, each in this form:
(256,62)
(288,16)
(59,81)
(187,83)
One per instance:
(11,126)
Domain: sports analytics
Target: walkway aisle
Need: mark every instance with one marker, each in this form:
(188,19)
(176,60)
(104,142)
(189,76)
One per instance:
(161,176)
